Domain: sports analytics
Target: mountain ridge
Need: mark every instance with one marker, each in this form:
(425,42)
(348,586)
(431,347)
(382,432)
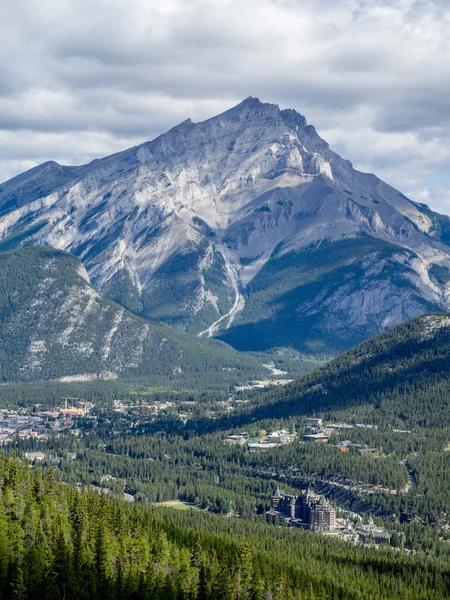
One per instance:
(55,326)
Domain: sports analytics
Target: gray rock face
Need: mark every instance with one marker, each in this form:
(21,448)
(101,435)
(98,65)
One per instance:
(197,226)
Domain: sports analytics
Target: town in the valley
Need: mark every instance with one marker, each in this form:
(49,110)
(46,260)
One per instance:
(307,510)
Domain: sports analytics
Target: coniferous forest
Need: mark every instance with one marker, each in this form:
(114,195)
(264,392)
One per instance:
(60,543)
(224,348)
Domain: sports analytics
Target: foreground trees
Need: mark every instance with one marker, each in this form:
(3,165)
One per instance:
(57,542)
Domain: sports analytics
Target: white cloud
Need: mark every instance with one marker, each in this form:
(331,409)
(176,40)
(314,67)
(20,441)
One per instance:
(81,79)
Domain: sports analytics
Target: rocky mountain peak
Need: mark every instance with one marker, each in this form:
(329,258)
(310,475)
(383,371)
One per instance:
(251,113)
(252,107)
(293,119)
(253,110)
(247,219)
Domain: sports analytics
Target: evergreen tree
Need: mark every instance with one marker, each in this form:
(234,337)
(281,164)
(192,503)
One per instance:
(244,573)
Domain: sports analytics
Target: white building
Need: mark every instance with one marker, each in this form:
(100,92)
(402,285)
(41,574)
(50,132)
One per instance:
(280,436)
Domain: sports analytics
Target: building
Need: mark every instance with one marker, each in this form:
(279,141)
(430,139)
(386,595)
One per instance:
(280,436)
(369,533)
(35,456)
(253,446)
(308,510)
(313,422)
(344,446)
(316,437)
(322,516)
(328,430)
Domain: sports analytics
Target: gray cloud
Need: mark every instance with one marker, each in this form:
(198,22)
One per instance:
(81,79)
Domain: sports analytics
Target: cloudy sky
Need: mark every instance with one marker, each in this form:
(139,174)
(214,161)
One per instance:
(80,79)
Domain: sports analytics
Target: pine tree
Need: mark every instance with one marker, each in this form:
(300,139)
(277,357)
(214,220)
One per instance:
(203,587)
(244,573)
(258,589)
(223,587)
(197,553)
(18,588)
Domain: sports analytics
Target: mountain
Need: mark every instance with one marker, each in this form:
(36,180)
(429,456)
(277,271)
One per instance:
(246,226)
(55,325)
(400,378)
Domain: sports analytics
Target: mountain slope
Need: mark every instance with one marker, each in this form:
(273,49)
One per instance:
(392,394)
(246,226)
(329,297)
(400,378)
(54,324)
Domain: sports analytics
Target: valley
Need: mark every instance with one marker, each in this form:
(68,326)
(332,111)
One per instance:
(363,432)
(372,445)
(224,300)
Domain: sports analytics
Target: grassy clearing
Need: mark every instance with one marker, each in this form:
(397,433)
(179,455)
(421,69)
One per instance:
(178,504)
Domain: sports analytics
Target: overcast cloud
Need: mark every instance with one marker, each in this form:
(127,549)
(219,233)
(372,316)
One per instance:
(80,79)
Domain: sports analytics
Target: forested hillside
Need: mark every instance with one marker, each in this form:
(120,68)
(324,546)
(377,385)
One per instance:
(54,324)
(60,543)
(392,395)
(400,378)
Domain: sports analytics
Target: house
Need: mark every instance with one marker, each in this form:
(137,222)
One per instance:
(25,433)
(313,422)
(280,436)
(316,437)
(344,446)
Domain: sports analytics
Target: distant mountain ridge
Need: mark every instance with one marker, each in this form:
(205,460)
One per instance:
(246,226)
(55,326)
(399,378)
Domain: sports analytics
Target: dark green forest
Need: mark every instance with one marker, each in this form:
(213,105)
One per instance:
(57,542)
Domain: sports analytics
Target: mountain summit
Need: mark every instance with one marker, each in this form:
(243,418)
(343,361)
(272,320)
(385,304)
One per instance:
(246,226)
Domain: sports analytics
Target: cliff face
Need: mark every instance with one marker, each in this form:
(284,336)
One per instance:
(246,226)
